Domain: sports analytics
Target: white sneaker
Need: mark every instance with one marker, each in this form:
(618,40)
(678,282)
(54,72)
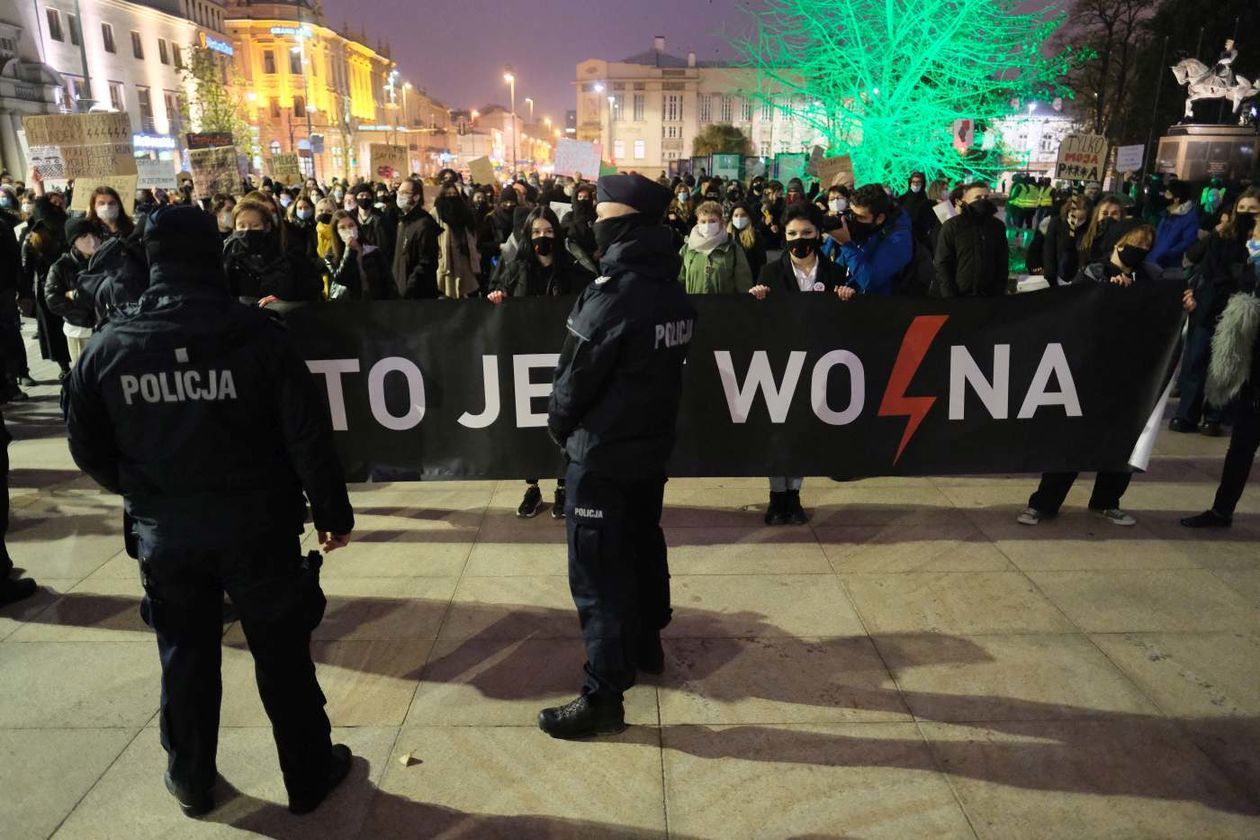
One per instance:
(1031,516)
(1116,517)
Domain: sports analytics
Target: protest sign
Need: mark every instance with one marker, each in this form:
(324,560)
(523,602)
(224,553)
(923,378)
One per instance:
(577,156)
(214,170)
(285,168)
(481,170)
(834,171)
(46,160)
(388,161)
(124,185)
(155,175)
(209,139)
(1082,157)
(1130,158)
(88,145)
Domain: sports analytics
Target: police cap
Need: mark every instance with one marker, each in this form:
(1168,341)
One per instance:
(644,195)
(182,234)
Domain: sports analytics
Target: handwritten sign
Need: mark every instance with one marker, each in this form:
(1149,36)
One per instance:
(1082,157)
(89,145)
(156,175)
(1130,158)
(835,171)
(209,139)
(214,171)
(481,170)
(388,161)
(577,156)
(285,168)
(124,185)
(47,162)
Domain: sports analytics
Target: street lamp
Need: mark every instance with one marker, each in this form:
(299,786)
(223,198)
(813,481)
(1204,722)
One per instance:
(510,78)
(530,103)
(611,100)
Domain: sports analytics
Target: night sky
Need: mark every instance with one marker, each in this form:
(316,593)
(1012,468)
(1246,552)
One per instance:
(457,49)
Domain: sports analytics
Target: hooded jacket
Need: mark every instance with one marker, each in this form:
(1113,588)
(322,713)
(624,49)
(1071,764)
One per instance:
(618,385)
(972,257)
(63,279)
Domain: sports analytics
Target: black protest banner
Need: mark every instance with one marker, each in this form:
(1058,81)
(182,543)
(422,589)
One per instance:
(1063,379)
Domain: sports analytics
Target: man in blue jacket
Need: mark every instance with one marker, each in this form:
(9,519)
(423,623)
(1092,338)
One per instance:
(1178,226)
(613,408)
(875,243)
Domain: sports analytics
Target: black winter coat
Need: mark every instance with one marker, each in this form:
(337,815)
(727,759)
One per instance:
(254,273)
(1219,268)
(525,276)
(366,278)
(971,257)
(779,276)
(415,259)
(63,279)
(1060,252)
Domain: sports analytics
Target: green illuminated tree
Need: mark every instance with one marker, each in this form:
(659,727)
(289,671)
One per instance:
(721,139)
(884,80)
(216,104)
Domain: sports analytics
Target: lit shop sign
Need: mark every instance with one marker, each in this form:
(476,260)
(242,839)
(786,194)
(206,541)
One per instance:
(153,141)
(292,31)
(216,45)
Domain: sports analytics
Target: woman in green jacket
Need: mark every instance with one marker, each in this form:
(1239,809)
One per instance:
(713,264)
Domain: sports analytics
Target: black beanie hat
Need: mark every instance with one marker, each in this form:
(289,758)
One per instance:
(646,196)
(77,226)
(182,234)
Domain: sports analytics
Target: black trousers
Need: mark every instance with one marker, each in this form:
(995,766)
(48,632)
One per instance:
(1193,379)
(6,564)
(618,572)
(1242,452)
(280,602)
(1108,488)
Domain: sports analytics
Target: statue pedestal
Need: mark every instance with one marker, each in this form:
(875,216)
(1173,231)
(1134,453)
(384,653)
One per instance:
(1200,152)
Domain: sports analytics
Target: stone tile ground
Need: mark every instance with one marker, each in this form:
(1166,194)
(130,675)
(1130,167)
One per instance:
(913,664)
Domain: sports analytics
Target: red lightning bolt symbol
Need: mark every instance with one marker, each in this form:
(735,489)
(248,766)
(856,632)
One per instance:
(914,347)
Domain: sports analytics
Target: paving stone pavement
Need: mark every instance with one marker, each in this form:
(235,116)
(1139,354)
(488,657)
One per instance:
(911,664)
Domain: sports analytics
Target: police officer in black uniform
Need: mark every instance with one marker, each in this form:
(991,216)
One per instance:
(613,409)
(199,411)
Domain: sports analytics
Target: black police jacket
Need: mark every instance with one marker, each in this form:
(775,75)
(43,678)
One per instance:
(199,411)
(615,401)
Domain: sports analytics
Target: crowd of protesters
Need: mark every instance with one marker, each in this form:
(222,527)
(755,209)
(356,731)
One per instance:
(444,238)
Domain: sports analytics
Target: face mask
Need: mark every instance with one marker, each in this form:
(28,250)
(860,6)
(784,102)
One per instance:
(324,218)
(6,200)
(305,214)
(1131,256)
(981,207)
(611,231)
(740,222)
(225,220)
(363,203)
(708,229)
(404,202)
(253,239)
(347,234)
(349,206)
(802,248)
(543,245)
(916,188)
(682,197)
(838,206)
(860,231)
(28,208)
(339,194)
(107,212)
(711,197)
(285,201)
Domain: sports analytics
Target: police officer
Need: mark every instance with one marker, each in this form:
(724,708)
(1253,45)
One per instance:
(613,409)
(199,411)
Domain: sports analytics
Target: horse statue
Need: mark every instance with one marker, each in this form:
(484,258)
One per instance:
(1201,82)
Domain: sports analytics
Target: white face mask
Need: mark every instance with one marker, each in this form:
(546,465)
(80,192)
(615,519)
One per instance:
(740,222)
(405,203)
(305,214)
(348,234)
(838,205)
(225,220)
(709,229)
(285,200)
(107,212)
(914,188)
(28,208)
(350,206)
(682,196)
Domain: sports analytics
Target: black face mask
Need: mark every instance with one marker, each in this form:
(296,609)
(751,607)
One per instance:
(711,197)
(543,245)
(1245,225)
(1131,256)
(981,207)
(254,240)
(861,231)
(363,203)
(611,231)
(802,248)
(324,218)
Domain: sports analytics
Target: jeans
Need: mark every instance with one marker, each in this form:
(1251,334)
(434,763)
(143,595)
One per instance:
(1193,377)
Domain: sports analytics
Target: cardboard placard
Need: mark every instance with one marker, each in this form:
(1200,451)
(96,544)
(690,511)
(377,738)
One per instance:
(481,170)
(388,161)
(124,185)
(209,140)
(835,171)
(214,171)
(78,129)
(561,209)
(1130,158)
(47,161)
(574,157)
(285,168)
(1082,157)
(97,160)
(156,175)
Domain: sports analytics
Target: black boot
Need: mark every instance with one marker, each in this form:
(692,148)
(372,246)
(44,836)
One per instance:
(529,504)
(651,654)
(192,803)
(12,591)
(338,768)
(557,504)
(793,513)
(775,514)
(585,717)
(1208,519)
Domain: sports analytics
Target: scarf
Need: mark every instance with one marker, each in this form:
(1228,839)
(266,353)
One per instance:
(706,245)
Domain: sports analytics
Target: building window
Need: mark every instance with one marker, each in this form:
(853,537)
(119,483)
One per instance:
(137,46)
(745,109)
(76,34)
(765,149)
(269,62)
(639,104)
(173,118)
(275,108)
(116,100)
(299,106)
(54,25)
(640,149)
(146,110)
(727,103)
(163,55)
(671,132)
(274,147)
(615,106)
(767,109)
(177,53)
(107,36)
(74,88)
(295,62)
(619,149)
(673,108)
(706,109)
